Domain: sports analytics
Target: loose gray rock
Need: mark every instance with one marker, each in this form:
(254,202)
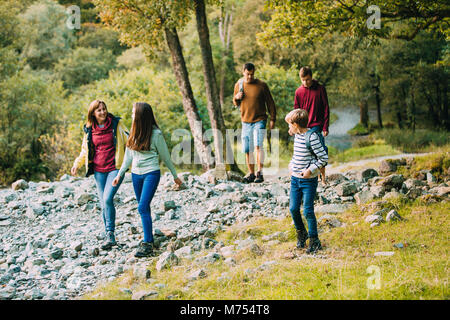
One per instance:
(197,274)
(166,261)
(393,216)
(20,185)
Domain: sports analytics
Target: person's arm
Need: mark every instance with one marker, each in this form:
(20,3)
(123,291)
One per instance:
(236,90)
(82,157)
(126,162)
(326,111)
(270,104)
(164,153)
(319,151)
(296,100)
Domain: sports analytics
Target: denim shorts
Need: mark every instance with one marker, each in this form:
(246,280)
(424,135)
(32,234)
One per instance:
(253,135)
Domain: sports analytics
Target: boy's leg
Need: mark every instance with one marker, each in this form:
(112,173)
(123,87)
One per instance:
(309,187)
(295,197)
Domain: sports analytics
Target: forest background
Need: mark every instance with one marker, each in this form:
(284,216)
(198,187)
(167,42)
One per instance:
(126,51)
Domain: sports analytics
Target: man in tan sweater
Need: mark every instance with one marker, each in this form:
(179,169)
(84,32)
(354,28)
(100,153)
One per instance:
(254,98)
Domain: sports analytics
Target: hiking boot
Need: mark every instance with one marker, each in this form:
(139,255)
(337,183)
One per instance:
(110,241)
(249,178)
(314,245)
(145,249)
(302,236)
(259,177)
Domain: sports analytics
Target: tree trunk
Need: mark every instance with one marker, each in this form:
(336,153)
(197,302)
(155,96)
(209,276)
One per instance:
(212,92)
(364,113)
(190,108)
(225,37)
(378,101)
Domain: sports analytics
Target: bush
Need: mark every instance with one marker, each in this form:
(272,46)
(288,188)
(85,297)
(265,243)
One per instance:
(101,38)
(417,141)
(132,58)
(30,109)
(84,65)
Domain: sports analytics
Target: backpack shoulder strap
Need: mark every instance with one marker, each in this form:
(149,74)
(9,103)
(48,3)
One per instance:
(241,85)
(308,142)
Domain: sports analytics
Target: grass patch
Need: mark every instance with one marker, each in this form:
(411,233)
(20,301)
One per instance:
(422,140)
(418,271)
(378,149)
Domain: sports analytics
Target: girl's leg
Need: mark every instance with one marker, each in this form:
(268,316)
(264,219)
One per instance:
(150,184)
(100,181)
(108,199)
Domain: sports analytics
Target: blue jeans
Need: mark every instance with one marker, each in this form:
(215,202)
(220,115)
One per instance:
(303,190)
(253,135)
(145,187)
(106,194)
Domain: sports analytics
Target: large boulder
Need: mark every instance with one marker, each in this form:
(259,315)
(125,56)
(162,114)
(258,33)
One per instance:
(20,185)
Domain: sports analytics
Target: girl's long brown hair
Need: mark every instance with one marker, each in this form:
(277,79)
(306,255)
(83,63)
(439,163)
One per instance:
(142,127)
(91,120)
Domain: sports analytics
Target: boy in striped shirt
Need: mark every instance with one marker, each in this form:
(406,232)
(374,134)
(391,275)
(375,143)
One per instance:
(304,169)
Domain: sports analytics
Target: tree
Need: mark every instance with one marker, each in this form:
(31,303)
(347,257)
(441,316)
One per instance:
(149,23)
(44,34)
(84,65)
(212,92)
(294,21)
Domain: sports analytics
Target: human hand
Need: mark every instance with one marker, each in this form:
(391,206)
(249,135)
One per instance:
(306,174)
(272,124)
(73,171)
(325,133)
(178,181)
(239,95)
(115,181)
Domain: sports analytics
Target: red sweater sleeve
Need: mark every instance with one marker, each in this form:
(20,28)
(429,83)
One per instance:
(326,111)
(297,100)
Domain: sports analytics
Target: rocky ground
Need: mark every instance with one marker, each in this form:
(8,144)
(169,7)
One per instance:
(51,232)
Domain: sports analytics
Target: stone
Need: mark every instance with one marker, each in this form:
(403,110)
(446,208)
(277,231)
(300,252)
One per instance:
(185,251)
(169,205)
(386,167)
(77,246)
(332,208)
(142,294)
(346,189)
(166,261)
(364,197)
(329,220)
(384,253)
(336,178)
(20,185)
(7,293)
(393,216)
(208,259)
(197,274)
(377,191)
(393,181)
(141,273)
(57,253)
(84,198)
(366,174)
(373,218)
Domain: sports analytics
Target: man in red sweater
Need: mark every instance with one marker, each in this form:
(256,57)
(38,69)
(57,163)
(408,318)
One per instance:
(312,97)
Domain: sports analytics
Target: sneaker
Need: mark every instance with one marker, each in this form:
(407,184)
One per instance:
(259,177)
(249,178)
(145,249)
(314,245)
(110,241)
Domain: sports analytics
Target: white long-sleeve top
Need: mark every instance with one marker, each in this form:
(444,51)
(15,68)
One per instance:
(303,159)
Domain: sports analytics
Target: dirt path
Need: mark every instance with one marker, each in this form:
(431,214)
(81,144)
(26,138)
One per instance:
(272,175)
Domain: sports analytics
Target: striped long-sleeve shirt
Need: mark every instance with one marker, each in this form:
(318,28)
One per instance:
(303,159)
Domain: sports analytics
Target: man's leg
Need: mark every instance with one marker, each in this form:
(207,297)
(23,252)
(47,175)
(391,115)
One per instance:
(247,146)
(260,130)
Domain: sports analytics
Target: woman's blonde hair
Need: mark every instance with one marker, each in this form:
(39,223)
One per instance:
(91,120)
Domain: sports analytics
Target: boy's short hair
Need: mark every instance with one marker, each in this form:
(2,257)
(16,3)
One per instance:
(305,71)
(249,66)
(298,116)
